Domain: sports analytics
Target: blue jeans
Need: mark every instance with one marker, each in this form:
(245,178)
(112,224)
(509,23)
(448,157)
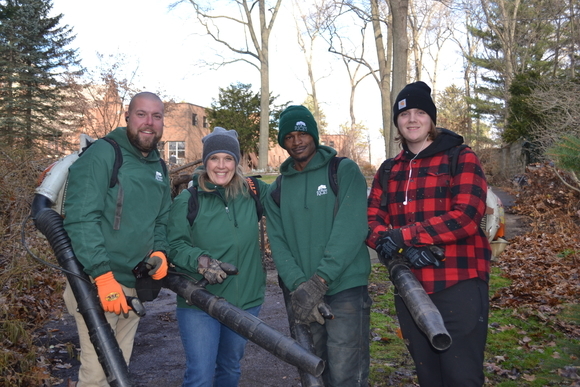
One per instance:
(343,342)
(212,351)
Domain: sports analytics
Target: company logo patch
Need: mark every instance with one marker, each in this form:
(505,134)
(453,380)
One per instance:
(300,126)
(158,176)
(402,104)
(322,190)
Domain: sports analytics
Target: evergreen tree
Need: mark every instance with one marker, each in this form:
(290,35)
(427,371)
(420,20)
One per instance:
(453,114)
(518,38)
(34,65)
(566,153)
(523,114)
(238,108)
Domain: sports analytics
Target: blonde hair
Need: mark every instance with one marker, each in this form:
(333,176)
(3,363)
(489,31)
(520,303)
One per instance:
(237,184)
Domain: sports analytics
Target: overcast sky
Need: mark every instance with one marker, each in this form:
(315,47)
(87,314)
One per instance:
(166,46)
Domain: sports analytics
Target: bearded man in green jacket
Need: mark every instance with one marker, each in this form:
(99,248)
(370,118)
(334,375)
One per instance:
(110,242)
(317,241)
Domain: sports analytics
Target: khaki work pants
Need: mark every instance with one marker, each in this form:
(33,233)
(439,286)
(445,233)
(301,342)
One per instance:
(91,372)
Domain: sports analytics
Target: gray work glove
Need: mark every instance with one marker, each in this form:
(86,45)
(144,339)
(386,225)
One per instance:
(306,298)
(210,269)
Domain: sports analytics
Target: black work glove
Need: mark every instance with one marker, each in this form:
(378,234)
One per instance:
(306,298)
(210,269)
(390,244)
(422,256)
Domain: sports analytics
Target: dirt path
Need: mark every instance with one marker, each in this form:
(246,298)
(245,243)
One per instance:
(158,359)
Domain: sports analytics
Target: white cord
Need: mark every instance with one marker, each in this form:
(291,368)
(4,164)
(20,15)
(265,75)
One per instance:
(411,171)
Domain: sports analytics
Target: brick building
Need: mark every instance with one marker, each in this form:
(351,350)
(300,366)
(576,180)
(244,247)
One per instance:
(186,124)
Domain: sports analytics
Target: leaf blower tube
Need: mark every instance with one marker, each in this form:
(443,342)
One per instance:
(424,312)
(50,223)
(245,324)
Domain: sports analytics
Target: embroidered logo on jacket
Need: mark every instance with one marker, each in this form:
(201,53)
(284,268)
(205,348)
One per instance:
(158,176)
(322,190)
(300,126)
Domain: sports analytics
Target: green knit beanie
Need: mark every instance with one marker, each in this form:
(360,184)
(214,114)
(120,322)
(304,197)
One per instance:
(297,118)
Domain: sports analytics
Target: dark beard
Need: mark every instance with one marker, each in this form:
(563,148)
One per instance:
(143,147)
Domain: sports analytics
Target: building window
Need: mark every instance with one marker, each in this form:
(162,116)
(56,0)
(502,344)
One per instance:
(204,121)
(176,152)
(331,143)
(194,119)
(161,149)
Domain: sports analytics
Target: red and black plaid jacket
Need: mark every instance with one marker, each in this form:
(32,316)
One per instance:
(441,210)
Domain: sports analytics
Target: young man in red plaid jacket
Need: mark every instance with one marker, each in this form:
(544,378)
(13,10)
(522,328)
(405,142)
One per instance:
(424,204)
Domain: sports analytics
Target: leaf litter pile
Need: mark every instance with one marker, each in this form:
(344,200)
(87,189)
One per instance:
(543,264)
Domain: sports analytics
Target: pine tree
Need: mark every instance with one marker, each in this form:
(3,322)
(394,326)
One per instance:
(237,107)
(518,37)
(34,64)
(566,154)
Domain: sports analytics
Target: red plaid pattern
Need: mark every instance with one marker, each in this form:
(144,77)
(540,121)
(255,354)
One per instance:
(441,210)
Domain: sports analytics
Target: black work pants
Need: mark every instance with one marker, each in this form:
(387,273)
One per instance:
(464,308)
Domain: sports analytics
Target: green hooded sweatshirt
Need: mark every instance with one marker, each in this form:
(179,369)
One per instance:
(306,237)
(226,231)
(90,208)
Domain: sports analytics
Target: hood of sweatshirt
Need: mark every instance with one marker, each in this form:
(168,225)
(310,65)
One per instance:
(444,141)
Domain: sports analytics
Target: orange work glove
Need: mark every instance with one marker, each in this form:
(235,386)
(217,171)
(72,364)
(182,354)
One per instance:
(111,294)
(158,263)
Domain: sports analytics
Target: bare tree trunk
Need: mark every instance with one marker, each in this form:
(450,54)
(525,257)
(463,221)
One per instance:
(264,116)
(505,30)
(384,76)
(399,10)
(260,54)
(264,89)
(312,26)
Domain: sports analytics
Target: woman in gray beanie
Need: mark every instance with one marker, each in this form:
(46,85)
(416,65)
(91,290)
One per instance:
(224,229)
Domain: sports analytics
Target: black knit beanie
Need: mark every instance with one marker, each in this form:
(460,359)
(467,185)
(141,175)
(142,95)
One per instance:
(297,118)
(415,95)
(221,141)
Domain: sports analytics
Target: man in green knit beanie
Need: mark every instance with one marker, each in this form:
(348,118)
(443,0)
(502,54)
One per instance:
(317,240)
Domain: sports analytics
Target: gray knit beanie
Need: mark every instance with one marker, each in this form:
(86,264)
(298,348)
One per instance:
(221,141)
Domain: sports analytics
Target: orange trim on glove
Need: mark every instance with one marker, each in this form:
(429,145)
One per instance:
(158,261)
